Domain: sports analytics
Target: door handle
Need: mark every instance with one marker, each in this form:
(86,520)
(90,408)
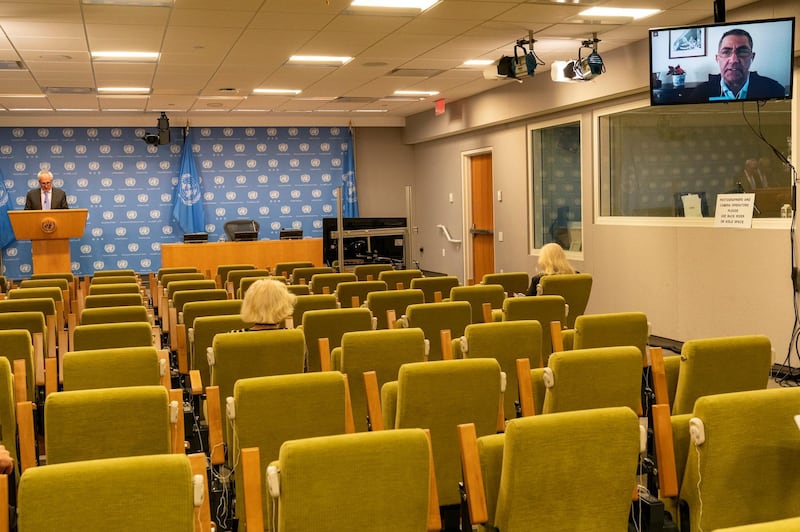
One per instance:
(475,231)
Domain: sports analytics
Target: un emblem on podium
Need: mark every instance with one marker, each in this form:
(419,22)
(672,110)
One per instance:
(49,225)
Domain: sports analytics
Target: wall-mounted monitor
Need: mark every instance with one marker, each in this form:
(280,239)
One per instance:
(745,61)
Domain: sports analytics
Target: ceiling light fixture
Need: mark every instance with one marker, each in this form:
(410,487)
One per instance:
(277,92)
(421,5)
(141,3)
(477,62)
(320,59)
(416,93)
(618,12)
(124,90)
(125,56)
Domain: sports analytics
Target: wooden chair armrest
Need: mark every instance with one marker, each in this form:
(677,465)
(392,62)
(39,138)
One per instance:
(166,380)
(171,323)
(665,452)
(72,322)
(486,308)
(434,517)
(4,525)
(52,339)
(527,404)
(214,418)
(63,348)
(355,302)
(473,478)
(195,381)
(179,334)
(349,422)
(50,376)
(373,400)
(177,429)
(391,319)
(399,285)
(556,336)
(437,296)
(26,435)
(38,357)
(20,382)
(202,522)
(324,354)
(659,376)
(446,339)
(251,483)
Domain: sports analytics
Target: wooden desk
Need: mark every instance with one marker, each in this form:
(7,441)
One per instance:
(262,253)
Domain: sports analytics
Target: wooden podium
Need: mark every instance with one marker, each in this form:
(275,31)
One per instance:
(49,233)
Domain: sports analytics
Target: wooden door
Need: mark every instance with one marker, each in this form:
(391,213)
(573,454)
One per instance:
(482,230)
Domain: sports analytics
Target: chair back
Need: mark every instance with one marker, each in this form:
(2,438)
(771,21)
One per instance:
(433,318)
(87,495)
(201,337)
(175,269)
(347,290)
(114,288)
(8,406)
(311,302)
(52,292)
(431,285)
(232,227)
(60,283)
(111,368)
(114,279)
(749,436)
(331,324)
(247,281)
(299,289)
(303,275)
(106,423)
(477,295)
(182,276)
(114,273)
(383,352)
(575,288)
(393,277)
(370,272)
(181,298)
(18,345)
(285,269)
(327,282)
(109,335)
(544,309)
(312,468)
(396,300)
(235,278)
(174,287)
(512,282)
(93,316)
(712,366)
(33,322)
(213,307)
(113,300)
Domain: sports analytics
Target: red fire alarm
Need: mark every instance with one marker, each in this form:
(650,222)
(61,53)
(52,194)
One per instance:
(439,109)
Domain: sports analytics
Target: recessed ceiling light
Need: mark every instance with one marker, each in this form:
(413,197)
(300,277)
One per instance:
(422,5)
(124,90)
(29,109)
(285,92)
(416,93)
(125,56)
(143,3)
(478,62)
(320,59)
(22,95)
(251,110)
(371,111)
(619,12)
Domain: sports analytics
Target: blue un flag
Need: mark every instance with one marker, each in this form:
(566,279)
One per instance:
(6,231)
(349,196)
(188,211)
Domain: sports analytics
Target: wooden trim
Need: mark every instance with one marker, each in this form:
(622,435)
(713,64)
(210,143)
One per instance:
(4,503)
(373,400)
(72,322)
(214,417)
(355,302)
(26,435)
(349,422)
(51,322)
(180,346)
(196,381)
(437,296)
(486,308)
(166,380)
(399,285)
(665,452)
(171,323)
(63,349)
(177,428)
(659,374)
(251,483)
(50,376)
(446,340)
(556,336)
(391,319)
(434,517)
(202,514)
(38,357)
(324,354)
(527,403)
(473,478)
(20,382)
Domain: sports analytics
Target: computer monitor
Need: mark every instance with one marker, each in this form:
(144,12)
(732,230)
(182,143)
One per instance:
(195,238)
(291,234)
(245,236)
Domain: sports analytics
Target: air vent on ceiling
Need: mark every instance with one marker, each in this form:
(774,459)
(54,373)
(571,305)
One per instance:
(416,72)
(11,65)
(68,90)
(354,99)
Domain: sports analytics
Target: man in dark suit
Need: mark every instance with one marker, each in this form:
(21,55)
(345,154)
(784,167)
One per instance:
(46,197)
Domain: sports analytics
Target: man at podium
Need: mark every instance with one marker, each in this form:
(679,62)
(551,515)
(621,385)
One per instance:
(46,197)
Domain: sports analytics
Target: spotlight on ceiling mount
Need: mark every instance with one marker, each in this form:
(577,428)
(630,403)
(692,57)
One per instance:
(162,137)
(583,68)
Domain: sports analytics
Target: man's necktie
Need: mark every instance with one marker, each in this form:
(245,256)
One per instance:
(47,201)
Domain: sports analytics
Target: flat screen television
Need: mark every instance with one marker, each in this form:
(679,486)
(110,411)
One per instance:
(688,64)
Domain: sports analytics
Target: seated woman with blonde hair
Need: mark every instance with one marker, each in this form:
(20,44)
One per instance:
(552,261)
(266,304)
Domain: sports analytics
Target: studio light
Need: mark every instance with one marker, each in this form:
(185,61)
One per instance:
(162,137)
(584,68)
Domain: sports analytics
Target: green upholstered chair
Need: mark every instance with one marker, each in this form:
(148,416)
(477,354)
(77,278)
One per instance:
(433,318)
(107,423)
(113,300)
(201,339)
(744,471)
(299,289)
(234,280)
(323,283)
(114,273)
(430,286)
(109,335)
(18,345)
(512,282)
(175,269)
(346,291)
(331,324)
(93,316)
(34,323)
(362,470)
(370,272)
(477,295)
(182,298)
(271,410)
(70,278)
(113,368)
(439,396)
(224,269)
(506,342)
(45,305)
(783,525)
(114,288)
(8,418)
(185,276)
(383,352)
(241,355)
(245,283)
(393,278)
(590,378)
(544,309)
(120,494)
(303,275)
(114,279)
(575,288)
(607,330)
(173,287)
(59,283)
(285,269)
(52,292)
(396,300)
(720,365)
(528,470)
(311,302)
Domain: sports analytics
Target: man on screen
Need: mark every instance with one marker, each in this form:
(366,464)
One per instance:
(735,81)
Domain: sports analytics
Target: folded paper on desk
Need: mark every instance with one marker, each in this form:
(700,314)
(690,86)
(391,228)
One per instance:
(692,206)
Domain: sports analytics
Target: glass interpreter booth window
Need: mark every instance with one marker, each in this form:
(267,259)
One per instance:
(674,161)
(556,185)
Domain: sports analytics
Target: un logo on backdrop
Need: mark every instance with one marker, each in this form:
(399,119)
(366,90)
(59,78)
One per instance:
(31,149)
(166,197)
(94,166)
(241,211)
(128,149)
(80,149)
(67,132)
(220,212)
(155,246)
(219,180)
(271,132)
(117,165)
(152,149)
(175,149)
(272,163)
(285,209)
(142,198)
(164,165)
(121,231)
(43,132)
(55,149)
(153,181)
(283,147)
(206,164)
(86,249)
(295,194)
(5,149)
(313,131)
(210,228)
(145,263)
(230,196)
(17,132)
(251,163)
(105,149)
(144,230)
(315,163)
(133,247)
(122,263)
(109,248)
(229,164)
(250,131)
(11,252)
(304,146)
(317,224)
(293,131)
(97,232)
(284,178)
(141,165)
(216,148)
(108,215)
(227,131)
(306,209)
(155,215)
(326,178)
(130,181)
(263,179)
(275,226)
(167,230)
(139,132)
(252,195)
(294,163)
(327,208)
(82,182)
(25,268)
(116,132)
(305,178)
(261,148)
(205,132)
(119,198)
(274,194)
(238,148)
(325,147)
(131,215)
(316,193)
(335,131)
(69,166)
(19,167)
